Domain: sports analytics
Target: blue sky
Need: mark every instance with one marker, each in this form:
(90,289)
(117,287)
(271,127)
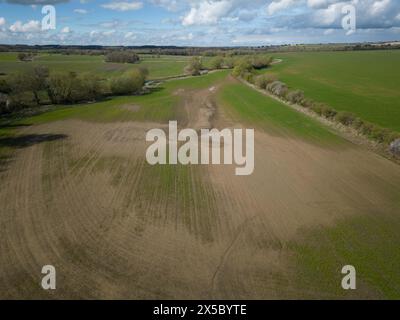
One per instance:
(198,22)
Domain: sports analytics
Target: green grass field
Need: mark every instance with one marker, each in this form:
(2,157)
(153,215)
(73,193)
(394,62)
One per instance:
(271,115)
(368,241)
(159,67)
(366,83)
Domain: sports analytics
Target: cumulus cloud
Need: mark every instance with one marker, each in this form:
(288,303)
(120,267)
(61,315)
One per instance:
(327,14)
(279,5)
(2,21)
(378,7)
(207,12)
(319,4)
(213,22)
(211,12)
(30,26)
(123,5)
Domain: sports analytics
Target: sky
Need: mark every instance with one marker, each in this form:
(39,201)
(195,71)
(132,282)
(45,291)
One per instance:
(199,22)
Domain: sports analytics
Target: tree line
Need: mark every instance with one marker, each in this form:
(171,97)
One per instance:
(241,65)
(38,86)
(122,57)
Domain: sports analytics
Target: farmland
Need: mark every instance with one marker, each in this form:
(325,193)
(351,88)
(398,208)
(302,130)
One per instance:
(159,67)
(78,193)
(364,83)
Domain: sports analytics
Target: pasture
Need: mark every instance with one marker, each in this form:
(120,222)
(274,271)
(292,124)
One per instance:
(365,83)
(159,67)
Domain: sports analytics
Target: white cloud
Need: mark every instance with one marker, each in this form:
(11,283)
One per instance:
(329,15)
(108,33)
(170,5)
(130,36)
(329,31)
(278,5)
(80,11)
(249,39)
(65,30)
(2,21)
(186,37)
(30,26)
(379,6)
(218,22)
(316,3)
(123,5)
(207,12)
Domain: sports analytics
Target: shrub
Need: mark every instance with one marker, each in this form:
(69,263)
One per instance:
(295,96)
(242,66)
(4,86)
(17,82)
(328,112)
(393,136)
(4,103)
(317,108)
(381,135)
(60,87)
(228,63)
(345,118)
(20,100)
(260,62)
(306,103)
(145,72)
(194,67)
(277,88)
(72,88)
(91,88)
(20,91)
(37,78)
(357,123)
(23,56)
(249,77)
(263,80)
(367,128)
(216,62)
(395,147)
(131,82)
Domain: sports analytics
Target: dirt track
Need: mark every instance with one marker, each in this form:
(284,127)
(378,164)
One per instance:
(114,227)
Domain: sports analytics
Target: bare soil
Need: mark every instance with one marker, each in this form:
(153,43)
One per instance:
(115,227)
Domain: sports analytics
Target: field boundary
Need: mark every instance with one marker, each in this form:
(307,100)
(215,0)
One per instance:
(346,132)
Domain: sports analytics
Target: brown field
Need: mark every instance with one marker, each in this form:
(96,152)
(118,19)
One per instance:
(80,196)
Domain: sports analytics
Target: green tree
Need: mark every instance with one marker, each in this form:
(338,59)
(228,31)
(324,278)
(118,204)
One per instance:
(216,62)
(60,87)
(37,80)
(194,67)
(122,57)
(260,62)
(242,67)
(131,82)
(91,88)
